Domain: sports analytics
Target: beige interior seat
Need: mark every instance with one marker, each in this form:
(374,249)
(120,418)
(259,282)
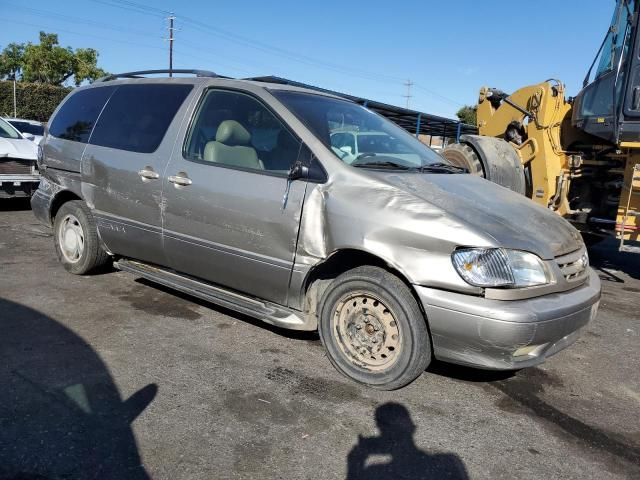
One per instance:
(232,146)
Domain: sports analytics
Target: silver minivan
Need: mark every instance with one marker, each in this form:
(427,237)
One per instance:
(232,191)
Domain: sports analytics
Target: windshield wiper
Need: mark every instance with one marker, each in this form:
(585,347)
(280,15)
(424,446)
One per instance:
(382,164)
(441,167)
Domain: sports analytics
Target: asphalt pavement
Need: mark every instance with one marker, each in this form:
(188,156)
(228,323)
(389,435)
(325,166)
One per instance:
(110,376)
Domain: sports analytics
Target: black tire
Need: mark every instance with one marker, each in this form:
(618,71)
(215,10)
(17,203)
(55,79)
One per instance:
(91,255)
(462,155)
(411,353)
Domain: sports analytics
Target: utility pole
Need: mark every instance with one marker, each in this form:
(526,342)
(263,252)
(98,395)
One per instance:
(15,103)
(408,96)
(171,18)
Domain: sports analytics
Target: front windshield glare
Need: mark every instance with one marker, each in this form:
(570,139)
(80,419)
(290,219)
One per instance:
(7,131)
(356,135)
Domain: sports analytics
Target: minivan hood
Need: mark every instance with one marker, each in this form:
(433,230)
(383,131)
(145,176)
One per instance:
(18,148)
(511,219)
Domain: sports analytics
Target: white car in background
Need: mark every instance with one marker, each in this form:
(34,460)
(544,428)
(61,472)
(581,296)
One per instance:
(351,144)
(19,175)
(30,129)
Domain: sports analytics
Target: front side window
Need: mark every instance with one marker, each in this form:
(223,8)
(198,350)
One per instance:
(618,38)
(356,135)
(77,116)
(137,117)
(236,130)
(7,131)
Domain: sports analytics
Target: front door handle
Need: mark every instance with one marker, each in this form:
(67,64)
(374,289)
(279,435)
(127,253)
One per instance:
(147,173)
(180,180)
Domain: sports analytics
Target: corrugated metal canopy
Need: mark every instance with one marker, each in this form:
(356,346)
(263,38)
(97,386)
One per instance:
(411,120)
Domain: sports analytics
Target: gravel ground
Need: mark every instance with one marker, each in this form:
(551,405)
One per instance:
(109,376)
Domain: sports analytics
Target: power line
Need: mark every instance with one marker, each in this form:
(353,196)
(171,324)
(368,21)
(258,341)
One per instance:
(215,62)
(75,20)
(141,6)
(133,7)
(383,78)
(248,42)
(441,97)
(208,29)
(71,32)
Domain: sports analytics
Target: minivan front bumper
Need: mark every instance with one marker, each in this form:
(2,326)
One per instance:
(507,335)
(41,205)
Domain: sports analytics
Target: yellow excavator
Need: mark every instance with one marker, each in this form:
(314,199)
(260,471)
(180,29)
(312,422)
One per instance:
(577,156)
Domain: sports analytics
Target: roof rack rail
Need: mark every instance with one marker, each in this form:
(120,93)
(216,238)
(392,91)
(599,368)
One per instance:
(197,73)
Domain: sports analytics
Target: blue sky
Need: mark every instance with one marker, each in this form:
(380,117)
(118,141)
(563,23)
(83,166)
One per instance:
(448,49)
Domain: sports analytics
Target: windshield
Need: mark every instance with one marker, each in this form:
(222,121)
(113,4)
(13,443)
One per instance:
(356,135)
(26,127)
(7,131)
(617,40)
(381,143)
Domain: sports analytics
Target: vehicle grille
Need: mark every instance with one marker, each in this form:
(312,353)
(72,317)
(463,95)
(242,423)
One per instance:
(11,166)
(574,266)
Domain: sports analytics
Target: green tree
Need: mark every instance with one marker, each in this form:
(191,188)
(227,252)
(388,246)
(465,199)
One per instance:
(12,60)
(48,62)
(468,115)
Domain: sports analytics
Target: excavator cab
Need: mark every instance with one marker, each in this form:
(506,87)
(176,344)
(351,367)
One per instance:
(608,107)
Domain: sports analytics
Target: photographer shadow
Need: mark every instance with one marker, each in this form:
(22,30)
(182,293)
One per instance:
(394,455)
(61,413)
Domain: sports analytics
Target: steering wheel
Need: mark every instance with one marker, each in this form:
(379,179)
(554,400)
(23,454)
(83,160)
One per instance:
(340,153)
(362,158)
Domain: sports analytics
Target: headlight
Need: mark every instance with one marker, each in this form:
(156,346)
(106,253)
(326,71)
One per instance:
(499,267)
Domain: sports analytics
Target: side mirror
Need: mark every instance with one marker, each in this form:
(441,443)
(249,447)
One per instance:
(29,136)
(298,171)
(346,149)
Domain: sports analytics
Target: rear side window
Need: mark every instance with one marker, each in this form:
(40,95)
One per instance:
(79,113)
(138,116)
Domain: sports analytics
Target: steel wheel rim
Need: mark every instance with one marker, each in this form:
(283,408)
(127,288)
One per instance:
(366,331)
(71,238)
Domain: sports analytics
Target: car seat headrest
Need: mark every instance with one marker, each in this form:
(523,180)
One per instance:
(232,133)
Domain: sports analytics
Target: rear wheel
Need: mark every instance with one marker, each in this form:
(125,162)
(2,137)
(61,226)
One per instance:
(462,155)
(76,239)
(373,329)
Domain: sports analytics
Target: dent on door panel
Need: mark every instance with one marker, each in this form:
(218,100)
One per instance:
(228,227)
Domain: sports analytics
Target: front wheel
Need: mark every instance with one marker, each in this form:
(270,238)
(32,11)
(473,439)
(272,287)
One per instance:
(373,329)
(76,239)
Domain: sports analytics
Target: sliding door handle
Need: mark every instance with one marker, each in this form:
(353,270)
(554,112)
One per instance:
(180,180)
(147,173)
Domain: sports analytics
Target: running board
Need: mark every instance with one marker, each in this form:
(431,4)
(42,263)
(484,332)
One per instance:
(268,312)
